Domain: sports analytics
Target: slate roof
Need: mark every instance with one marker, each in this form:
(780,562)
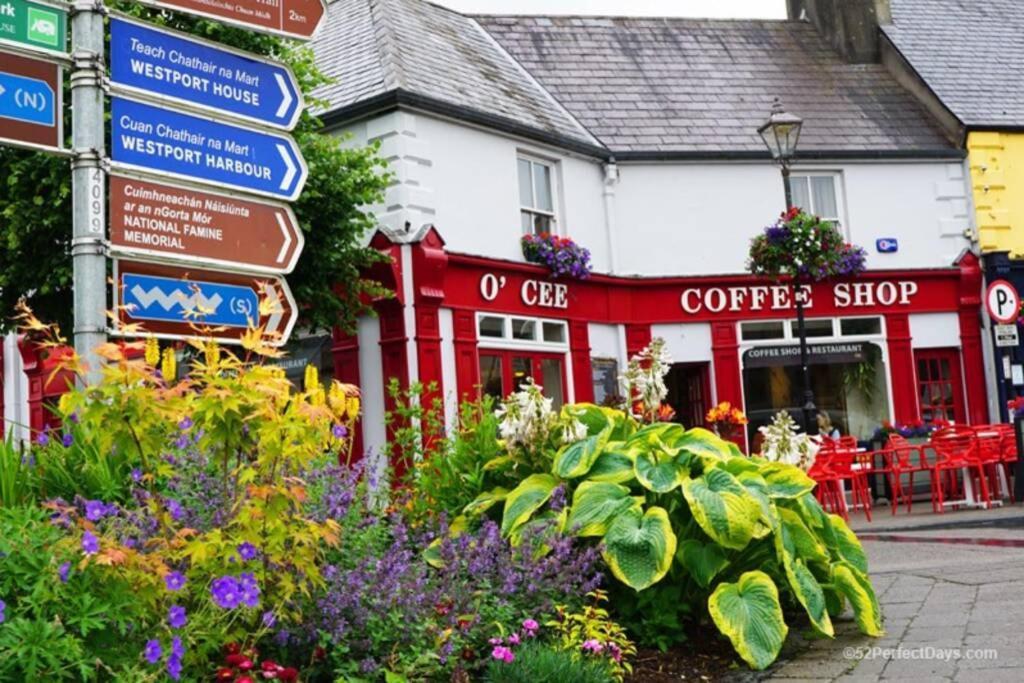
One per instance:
(969,53)
(636,86)
(373,47)
(706,85)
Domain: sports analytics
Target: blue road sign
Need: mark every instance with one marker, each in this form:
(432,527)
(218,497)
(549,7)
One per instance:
(172,66)
(180,145)
(29,100)
(167,299)
(887,245)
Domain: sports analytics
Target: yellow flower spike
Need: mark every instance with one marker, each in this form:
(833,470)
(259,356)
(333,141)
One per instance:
(212,353)
(169,365)
(64,403)
(312,378)
(152,352)
(352,409)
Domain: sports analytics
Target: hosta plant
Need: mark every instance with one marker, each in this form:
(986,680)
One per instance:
(744,538)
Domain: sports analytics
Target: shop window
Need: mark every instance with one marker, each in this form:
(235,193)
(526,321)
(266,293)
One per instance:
(605,373)
(754,331)
(848,379)
(817,193)
(536,196)
(939,384)
(536,331)
(689,392)
(502,372)
(852,327)
(815,328)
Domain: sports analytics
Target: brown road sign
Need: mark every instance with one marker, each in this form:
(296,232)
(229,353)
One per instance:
(297,19)
(170,302)
(165,221)
(31,111)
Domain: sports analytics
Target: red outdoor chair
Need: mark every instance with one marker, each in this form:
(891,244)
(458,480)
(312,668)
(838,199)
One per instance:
(836,468)
(906,459)
(956,448)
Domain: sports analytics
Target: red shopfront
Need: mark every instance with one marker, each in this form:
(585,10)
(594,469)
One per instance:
(509,321)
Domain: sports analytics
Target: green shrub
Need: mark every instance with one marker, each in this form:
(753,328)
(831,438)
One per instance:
(16,484)
(539,663)
(62,621)
(739,537)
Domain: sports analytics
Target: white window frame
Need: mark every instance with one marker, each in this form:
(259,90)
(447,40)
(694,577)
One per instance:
(837,183)
(508,342)
(552,166)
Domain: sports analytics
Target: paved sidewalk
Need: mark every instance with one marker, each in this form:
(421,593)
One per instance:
(953,601)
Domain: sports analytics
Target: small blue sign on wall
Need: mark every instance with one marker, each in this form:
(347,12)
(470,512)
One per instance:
(887,245)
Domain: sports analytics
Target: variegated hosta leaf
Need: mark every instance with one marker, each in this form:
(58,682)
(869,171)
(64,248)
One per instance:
(576,459)
(805,587)
(856,586)
(658,433)
(805,544)
(702,560)
(659,471)
(755,485)
(594,505)
(748,613)
(623,426)
(848,545)
(432,553)
(723,508)
(525,499)
(834,601)
(485,501)
(704,444)
(593,417)
(786,481)
(615,464)
(639,547)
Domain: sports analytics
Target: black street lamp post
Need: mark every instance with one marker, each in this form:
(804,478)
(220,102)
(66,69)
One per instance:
(781,133)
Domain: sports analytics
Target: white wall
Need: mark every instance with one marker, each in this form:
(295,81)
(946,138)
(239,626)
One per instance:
(686,343)
(371,385)
(934,330)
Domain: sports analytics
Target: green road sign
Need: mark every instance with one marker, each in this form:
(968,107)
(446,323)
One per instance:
(34,25)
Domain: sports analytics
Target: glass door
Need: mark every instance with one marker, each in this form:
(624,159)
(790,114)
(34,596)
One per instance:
(939,384)
(502,372)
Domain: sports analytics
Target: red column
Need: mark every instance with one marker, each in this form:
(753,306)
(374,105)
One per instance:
(429,262)
(969,313)
(638,336)
(345,352)
(394,361)
(467,364)
(905,409)
(728,374)
(579,349)
(44,385)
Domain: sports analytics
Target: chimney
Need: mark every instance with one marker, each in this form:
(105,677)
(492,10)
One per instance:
(851,26)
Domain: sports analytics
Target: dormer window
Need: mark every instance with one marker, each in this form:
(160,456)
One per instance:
(536,196)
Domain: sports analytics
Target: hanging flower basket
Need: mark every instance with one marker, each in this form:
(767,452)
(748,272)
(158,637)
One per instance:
(562,256)
(804,247)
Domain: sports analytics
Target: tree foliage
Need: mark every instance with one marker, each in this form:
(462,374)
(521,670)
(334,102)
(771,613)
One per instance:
(36,212)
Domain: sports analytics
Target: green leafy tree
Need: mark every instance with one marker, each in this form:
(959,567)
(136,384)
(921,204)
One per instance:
(35,204)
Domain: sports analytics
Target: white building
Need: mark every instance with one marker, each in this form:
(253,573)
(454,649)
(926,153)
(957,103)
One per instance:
(637,138)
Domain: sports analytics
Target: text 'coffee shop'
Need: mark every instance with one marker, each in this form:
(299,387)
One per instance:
(902,346)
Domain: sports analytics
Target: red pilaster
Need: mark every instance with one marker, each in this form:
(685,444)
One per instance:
(579,348)
(429,262)
(905,408)
(728,374)
(467,365)
(969,314)
(345,352)
(44,385)
(638,336)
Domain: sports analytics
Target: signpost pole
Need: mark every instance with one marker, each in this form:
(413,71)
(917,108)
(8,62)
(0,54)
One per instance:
(88,184)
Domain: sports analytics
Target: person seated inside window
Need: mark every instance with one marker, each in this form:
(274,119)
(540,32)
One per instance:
(825,427)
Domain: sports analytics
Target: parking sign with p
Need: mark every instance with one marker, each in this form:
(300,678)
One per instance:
(1003,302)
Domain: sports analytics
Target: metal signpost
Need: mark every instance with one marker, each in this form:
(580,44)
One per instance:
(177,223)
(298,19)
(171,301)
(178,145)
(185,71)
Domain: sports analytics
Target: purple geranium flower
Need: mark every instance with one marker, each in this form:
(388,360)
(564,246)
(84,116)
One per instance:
(67,440)
(176,616)
(3,607)
(90,544)
(269,619)
(339,431)
(43,439)
(226,592)
(95,510)
(136,475)
(153,651)
(185,424)
(249,589)
(247,551)
(174,509)
(174,581)
(174,660)
(63,570)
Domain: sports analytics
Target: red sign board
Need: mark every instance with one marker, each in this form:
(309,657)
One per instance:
(175,302)
(31,108)
(289,18)
(199,227)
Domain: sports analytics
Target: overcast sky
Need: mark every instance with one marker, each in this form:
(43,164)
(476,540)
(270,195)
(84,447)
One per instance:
(767,9)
